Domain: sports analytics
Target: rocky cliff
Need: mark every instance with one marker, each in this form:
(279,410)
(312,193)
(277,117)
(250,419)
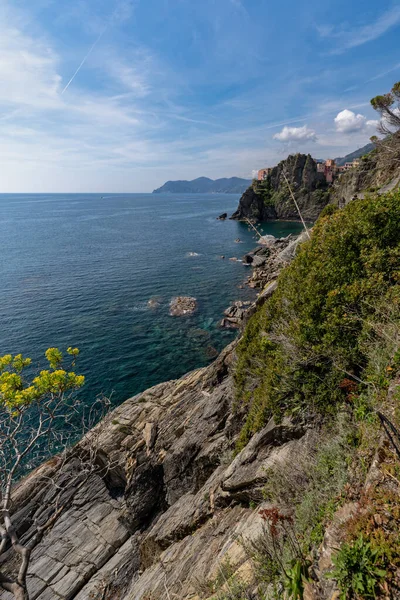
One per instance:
(378,171)
(178,515)
(172,506)
(271,198)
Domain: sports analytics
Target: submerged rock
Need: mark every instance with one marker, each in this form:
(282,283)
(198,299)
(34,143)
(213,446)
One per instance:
(182,305)
(154,302)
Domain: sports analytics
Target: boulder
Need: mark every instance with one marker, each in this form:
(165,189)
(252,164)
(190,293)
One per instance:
(259,261)
(234,315)
(182,305)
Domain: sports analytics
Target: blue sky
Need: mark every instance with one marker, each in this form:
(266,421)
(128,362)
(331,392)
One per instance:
(121,95)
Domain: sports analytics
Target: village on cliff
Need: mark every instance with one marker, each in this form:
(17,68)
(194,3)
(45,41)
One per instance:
(328,167)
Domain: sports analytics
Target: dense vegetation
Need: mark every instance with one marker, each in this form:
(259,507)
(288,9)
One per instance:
(315,333)
(325,347)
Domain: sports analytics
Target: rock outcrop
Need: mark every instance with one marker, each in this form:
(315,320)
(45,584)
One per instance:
(173,503)
(271,199)
(182,305)
(379,171)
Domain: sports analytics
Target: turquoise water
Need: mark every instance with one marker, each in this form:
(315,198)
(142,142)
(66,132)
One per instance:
(79,269)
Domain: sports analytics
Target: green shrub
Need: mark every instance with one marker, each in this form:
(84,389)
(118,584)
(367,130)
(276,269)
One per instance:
(328,210)
(296,575)
(358,570)
(297,349)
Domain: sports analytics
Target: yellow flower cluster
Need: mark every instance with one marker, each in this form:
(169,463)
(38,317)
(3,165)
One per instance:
(15,393)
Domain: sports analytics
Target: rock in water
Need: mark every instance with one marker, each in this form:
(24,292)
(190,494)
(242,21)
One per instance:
(267,240)
(222,217)
(154,302)
(182,305)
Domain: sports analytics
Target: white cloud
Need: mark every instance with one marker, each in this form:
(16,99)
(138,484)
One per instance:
(134,76)
(28,70)
(346,38)
(296,134)
(349,122)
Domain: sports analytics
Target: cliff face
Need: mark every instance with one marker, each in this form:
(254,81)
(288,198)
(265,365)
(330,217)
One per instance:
(378,171)
(272,200)
(173,503)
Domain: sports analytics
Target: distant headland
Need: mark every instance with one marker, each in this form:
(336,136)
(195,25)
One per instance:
(204,185)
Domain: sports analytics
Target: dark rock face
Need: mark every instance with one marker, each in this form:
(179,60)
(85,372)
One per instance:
(307,184)
(252,206)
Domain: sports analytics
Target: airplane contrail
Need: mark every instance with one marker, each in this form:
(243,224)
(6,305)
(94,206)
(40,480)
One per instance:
(84,60)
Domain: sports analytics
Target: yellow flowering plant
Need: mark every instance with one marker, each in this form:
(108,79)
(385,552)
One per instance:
(41,415)
(17,393)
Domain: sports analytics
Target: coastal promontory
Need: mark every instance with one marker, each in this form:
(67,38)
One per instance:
(204,185)
(271,198)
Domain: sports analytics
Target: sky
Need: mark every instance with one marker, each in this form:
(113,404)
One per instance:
(122,95)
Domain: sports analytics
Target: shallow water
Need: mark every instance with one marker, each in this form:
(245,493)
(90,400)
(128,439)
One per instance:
(79,269)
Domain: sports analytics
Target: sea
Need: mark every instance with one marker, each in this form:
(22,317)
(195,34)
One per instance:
(80,270)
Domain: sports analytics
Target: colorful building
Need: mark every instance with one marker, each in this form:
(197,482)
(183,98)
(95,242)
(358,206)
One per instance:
(263,174)
(331,170)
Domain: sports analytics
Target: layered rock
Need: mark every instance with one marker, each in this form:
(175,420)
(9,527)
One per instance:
(378,171)
(272,199)
(172,502)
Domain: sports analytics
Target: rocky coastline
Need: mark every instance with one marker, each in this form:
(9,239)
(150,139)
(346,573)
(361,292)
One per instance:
(266,262)
(174,501)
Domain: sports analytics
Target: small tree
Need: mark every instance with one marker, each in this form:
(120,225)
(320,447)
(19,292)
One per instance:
(38,416)
(388,106)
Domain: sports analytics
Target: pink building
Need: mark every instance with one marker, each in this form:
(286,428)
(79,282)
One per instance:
(330,170)
(263,174)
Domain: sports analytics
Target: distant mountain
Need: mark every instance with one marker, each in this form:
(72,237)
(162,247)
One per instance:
(356,154)
(204,185)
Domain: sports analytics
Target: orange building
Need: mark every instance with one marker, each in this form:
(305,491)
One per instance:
(330,170)
(263,174)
